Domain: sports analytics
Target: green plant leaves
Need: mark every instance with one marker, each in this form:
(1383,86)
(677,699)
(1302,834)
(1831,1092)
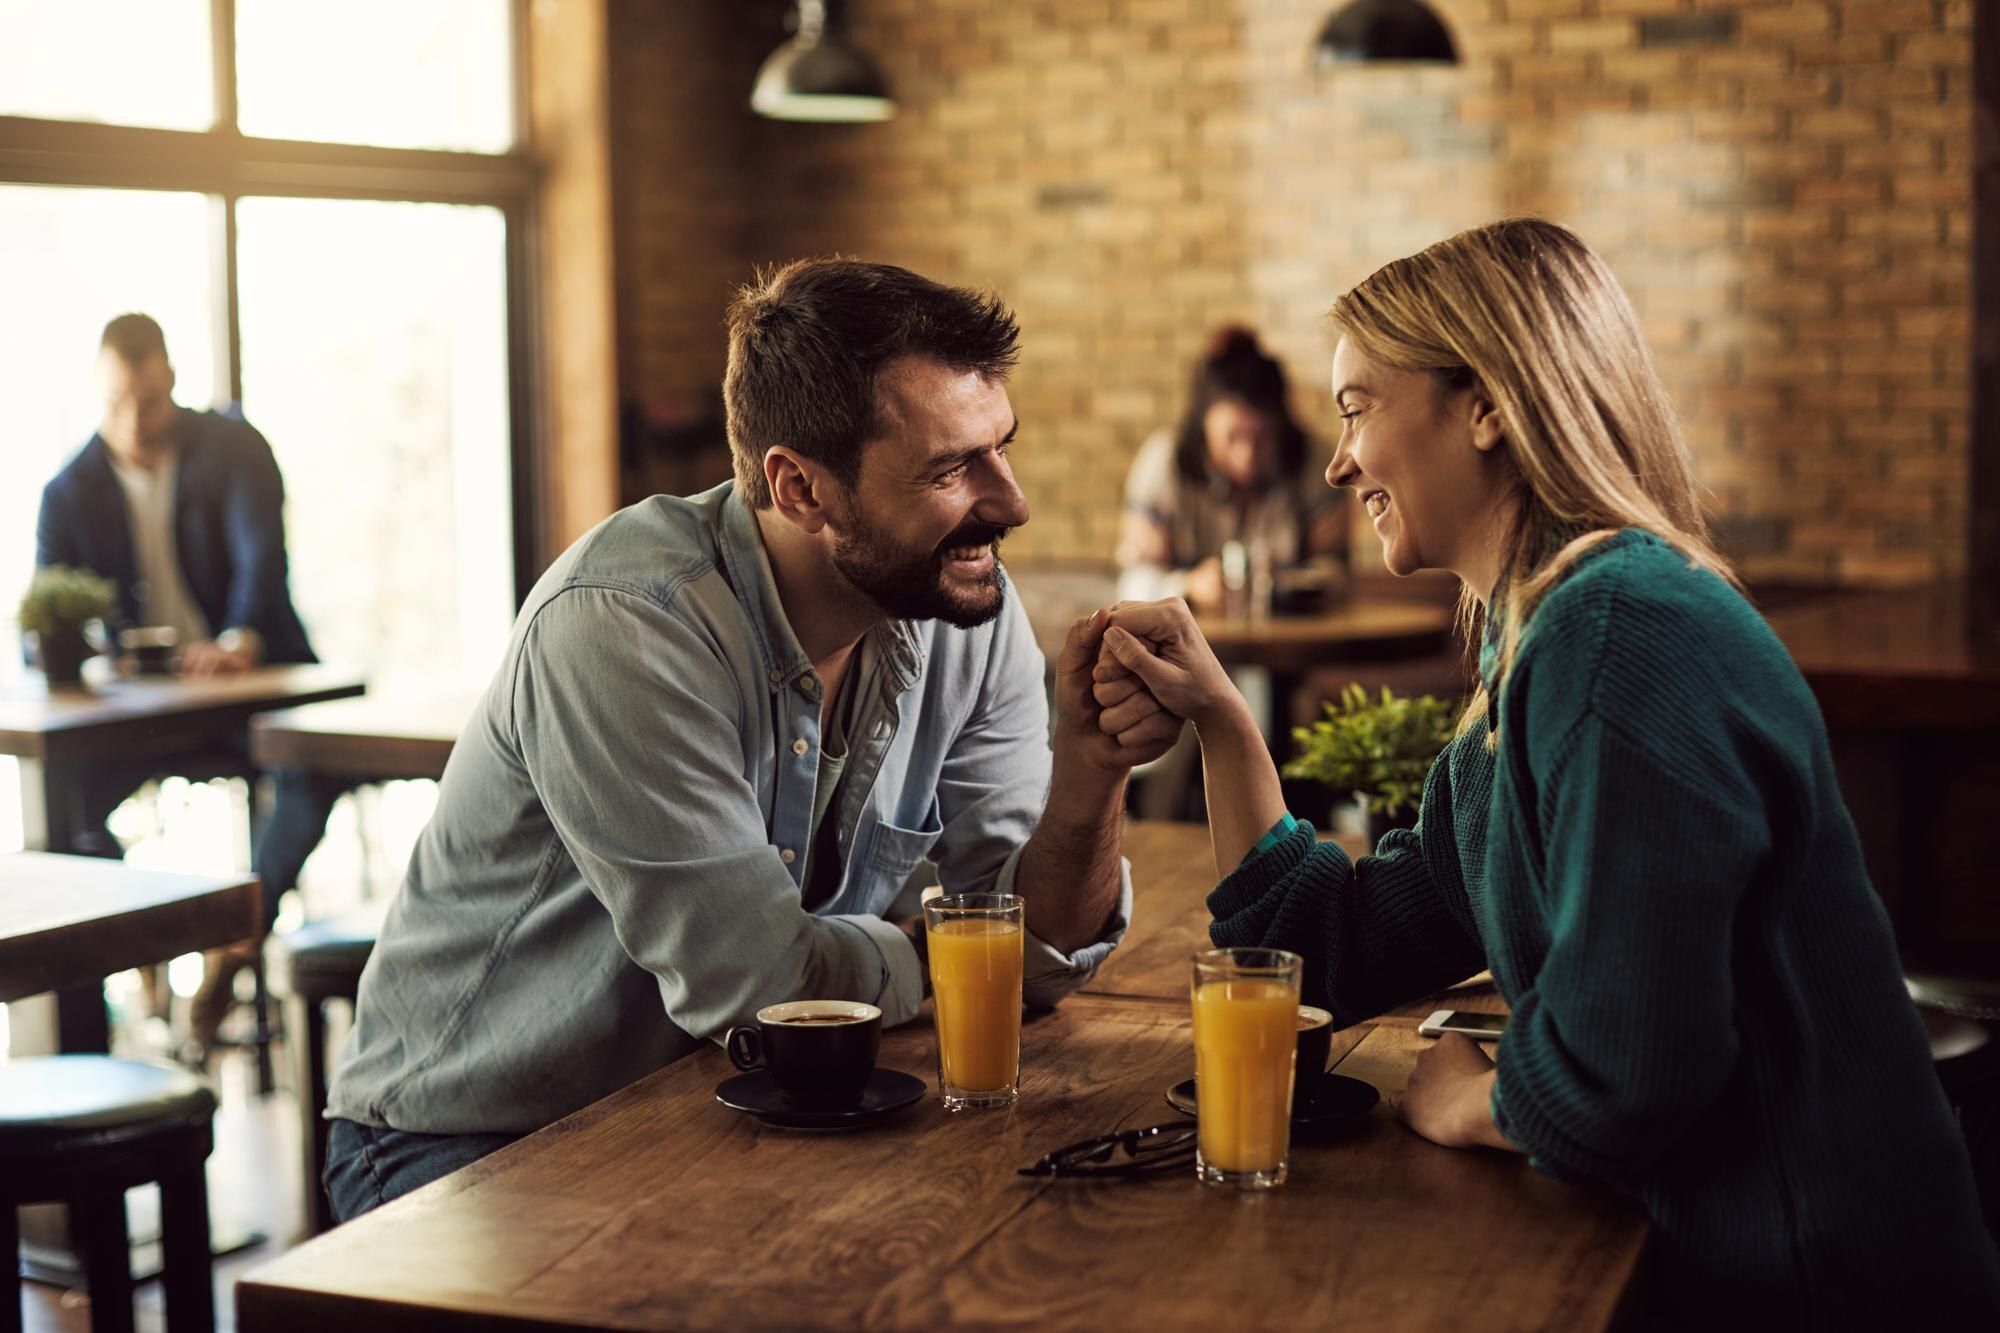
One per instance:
(60,598)
(1379,749)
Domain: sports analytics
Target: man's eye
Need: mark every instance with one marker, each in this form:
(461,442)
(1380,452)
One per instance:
(951,474)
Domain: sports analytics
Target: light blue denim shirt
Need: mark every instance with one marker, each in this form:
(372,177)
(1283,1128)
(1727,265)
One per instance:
(613,873)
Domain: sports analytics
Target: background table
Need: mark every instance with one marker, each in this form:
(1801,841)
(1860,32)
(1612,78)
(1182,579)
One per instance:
(70,920)
(59,734)
(1361,630)
(378,737)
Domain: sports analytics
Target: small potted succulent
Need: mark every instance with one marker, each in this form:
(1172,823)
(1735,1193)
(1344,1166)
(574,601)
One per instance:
(1379,750)
(57,609)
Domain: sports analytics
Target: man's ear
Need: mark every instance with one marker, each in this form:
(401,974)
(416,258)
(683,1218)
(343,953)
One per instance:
(799,488)
(1487,429)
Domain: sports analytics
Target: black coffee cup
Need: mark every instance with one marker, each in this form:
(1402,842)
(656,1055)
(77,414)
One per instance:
(819,1052)
(1315,1046)
(151,648)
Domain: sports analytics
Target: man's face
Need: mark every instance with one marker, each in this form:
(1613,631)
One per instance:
(919,531)
(138,406)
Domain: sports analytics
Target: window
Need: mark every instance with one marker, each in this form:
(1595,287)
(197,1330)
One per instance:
(350,273)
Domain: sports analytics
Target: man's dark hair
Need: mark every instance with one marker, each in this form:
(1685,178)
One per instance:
(807,340)
(134,338)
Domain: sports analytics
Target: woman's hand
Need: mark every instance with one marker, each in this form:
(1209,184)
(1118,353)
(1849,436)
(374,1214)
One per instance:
(1449,1099)
(1157,646)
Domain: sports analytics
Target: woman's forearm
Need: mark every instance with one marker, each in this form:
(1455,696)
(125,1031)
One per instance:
(1244,799)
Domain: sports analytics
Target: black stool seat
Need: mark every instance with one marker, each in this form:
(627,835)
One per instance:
(326,957)
(46,1101)
(318,962)
(83,1129)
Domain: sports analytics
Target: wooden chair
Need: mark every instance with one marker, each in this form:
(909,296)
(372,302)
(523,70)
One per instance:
(83,1129)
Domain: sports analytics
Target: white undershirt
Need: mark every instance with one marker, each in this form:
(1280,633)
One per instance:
(161,592)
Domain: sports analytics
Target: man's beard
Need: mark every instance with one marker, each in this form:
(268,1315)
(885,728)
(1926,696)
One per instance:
(912,585)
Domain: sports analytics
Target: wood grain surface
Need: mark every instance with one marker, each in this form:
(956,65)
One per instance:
(150,709)
(1362,630)
(657,1208)
(377,736)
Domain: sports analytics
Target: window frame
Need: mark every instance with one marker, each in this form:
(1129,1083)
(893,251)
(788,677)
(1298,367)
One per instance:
(226,165)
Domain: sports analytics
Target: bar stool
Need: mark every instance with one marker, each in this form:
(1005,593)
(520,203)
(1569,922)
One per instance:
(319,961)
(1957,1012)
(83,1129)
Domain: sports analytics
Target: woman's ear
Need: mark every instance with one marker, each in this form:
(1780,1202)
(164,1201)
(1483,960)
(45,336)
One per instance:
(1486,425)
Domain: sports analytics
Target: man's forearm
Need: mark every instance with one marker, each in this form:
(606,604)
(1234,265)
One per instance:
(1069,872)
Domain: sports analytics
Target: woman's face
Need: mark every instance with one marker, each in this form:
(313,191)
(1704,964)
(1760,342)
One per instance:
(1242,443)
(1423,462)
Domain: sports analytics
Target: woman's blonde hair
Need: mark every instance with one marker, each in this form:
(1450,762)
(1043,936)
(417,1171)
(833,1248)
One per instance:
(1526,313)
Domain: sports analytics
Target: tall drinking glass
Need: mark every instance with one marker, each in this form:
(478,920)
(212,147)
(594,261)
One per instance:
(974,941)
(1246,1007)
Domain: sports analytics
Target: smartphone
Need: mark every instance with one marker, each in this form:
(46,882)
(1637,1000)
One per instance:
(1480,1027)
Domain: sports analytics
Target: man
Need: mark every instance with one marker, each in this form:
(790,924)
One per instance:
(184,512)
(726,730)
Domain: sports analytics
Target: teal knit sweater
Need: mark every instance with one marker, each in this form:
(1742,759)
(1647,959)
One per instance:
(1707,1006)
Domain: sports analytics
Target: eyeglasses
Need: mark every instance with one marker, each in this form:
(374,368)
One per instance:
(1144,1151)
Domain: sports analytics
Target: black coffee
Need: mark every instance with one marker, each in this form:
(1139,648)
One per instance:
(804,1019)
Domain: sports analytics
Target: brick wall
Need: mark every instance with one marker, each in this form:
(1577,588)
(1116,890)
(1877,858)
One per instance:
(1782,187)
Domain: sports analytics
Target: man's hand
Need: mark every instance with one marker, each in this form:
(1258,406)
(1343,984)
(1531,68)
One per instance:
(207,658)
(1143,731)
(1449,1099)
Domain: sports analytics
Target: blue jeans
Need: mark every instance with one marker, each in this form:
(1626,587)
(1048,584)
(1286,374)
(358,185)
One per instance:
(366,1167)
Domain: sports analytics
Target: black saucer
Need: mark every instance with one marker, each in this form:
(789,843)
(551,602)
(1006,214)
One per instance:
(756,1093)
(1337,1105)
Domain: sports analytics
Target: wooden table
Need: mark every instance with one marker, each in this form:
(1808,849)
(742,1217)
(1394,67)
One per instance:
(656,1208)
(58,735)
(69,920)
(377,737)
(1362,630)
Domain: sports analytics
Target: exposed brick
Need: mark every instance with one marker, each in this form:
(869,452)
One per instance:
(1778,183)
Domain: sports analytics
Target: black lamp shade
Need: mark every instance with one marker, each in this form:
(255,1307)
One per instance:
(1384,30)
(816,77)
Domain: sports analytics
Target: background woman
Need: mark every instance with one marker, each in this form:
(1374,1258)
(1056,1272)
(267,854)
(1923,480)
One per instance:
(1638,828)
(1239,469)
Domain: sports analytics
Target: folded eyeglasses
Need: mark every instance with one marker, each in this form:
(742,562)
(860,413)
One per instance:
(1131,1152)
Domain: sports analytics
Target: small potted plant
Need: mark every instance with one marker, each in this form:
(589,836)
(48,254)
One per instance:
(1379,750)
(57,609)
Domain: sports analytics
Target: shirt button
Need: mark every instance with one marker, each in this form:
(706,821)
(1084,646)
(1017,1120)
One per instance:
(787,855)
(800,746)
(777,676)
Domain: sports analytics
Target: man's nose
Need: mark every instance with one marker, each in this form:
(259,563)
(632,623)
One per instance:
(1001,500)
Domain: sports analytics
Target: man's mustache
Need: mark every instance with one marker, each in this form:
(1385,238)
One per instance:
(974,534)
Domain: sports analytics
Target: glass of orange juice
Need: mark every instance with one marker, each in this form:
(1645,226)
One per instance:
(974,941)
(1246,1006)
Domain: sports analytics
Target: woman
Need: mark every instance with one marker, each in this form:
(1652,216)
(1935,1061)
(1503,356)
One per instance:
(1637,829)
(1237,470)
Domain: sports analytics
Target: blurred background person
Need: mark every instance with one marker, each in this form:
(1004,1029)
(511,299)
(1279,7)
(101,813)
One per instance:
(183,511)
(1238,472)
(1239,468)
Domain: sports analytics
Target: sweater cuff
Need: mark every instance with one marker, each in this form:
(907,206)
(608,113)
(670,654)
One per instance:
(1274,836)
(1550,1151)
(1262,869)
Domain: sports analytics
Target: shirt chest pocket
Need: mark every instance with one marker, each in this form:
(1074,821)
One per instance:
(897,851)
